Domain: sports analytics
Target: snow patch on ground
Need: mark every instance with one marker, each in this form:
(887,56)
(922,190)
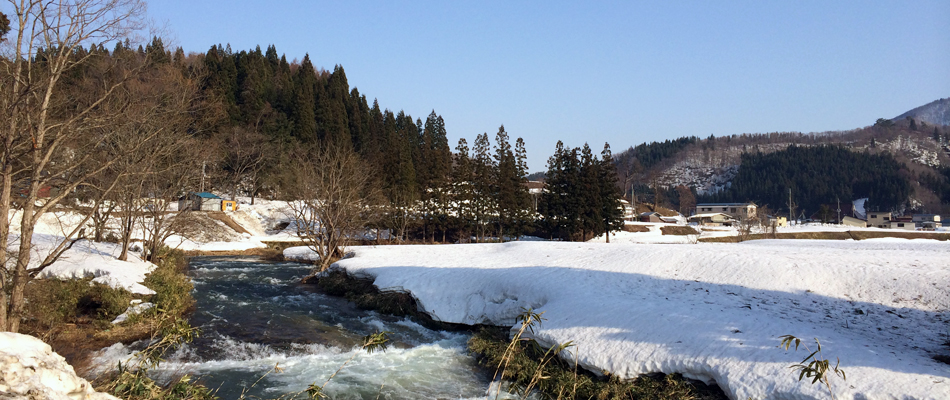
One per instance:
(136,308)
(29,369)
(709,311)
(87,259)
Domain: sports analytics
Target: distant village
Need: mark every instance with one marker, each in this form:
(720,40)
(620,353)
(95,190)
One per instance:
(730,214)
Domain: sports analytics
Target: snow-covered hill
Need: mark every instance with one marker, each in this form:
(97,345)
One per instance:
(936,112)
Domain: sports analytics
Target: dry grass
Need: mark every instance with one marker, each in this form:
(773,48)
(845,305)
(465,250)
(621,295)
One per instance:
(856,235)
(679,230)
(860,235)
(267,253)
(526,365)
(635,228)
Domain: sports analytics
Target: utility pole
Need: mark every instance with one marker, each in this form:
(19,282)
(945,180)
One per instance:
(791,207)
(839,209)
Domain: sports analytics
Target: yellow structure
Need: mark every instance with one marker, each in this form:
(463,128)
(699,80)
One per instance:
(780,222)
(229,205)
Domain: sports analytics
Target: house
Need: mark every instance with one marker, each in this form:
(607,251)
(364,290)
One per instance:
(738,211)
(202,201)
(713,219)
(777,221)
(906,223)
(629,213)
(927,222)
(879,219)
(678,219)
(855,222)
(535,189)
(650,217)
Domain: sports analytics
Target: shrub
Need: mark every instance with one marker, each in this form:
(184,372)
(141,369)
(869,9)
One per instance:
(172,287)
(526,366)
(53,301)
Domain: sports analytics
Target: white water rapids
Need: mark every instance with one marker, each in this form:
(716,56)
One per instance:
(255,316)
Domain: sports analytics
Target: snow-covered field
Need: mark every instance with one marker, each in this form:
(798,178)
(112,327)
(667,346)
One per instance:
(710,311)
(649,302)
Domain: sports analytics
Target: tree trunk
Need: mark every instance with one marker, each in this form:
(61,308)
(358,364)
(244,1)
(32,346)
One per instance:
(126,236)
(5,198)
(21,276)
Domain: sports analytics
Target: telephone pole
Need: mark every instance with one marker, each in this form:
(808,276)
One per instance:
(791,207)
(839,209)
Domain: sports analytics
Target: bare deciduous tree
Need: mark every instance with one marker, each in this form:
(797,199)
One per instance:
(152,154)
(245,152)
(328,190)
(47,125)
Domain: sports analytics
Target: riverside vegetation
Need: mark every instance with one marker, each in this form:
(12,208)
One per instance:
(520,362)
(75,316)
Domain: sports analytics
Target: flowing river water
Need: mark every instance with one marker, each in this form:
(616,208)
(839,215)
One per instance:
(255,315)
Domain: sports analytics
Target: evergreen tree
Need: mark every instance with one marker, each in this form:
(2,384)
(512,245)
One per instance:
(507,184)
(524,208)
(560,204)
(435,160)
(463,190)
(334,126)
(612,209)
(589,195)
(156,52)
(356,110)
(303,114)
(483,168)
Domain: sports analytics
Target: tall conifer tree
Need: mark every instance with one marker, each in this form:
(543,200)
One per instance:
(612,209)
(304,117)
(483,184)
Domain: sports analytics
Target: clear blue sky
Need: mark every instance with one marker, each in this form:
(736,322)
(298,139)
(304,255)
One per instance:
(620,72)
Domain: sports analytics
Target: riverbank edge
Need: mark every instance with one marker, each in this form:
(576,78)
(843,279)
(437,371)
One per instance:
(79,341)
(489,344)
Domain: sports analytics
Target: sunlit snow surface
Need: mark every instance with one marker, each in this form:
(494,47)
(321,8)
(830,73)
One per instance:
(710,311)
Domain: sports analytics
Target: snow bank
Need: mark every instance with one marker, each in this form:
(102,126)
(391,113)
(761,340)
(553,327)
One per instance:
(709,311)
(88,259)
(182,243)
(300,253)
(30,369)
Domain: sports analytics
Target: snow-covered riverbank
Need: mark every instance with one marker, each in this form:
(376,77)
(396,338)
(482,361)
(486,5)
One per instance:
(710,311)
(29,369)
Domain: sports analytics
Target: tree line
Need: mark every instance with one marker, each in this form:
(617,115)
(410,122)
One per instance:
(816,176)
(119,132)
(582,198)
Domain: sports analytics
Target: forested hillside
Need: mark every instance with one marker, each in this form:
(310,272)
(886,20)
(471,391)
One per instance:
(275,106)
(713,167)
(817,175)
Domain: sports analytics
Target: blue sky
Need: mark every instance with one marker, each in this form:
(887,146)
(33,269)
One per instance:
(620,72)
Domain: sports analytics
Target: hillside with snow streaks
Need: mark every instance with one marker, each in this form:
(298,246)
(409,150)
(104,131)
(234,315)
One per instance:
(936,112)
(709,311)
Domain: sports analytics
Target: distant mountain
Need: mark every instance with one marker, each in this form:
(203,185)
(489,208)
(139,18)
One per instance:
(711,166)
(933,113)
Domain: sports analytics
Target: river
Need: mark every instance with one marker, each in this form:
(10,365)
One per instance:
(255,315)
